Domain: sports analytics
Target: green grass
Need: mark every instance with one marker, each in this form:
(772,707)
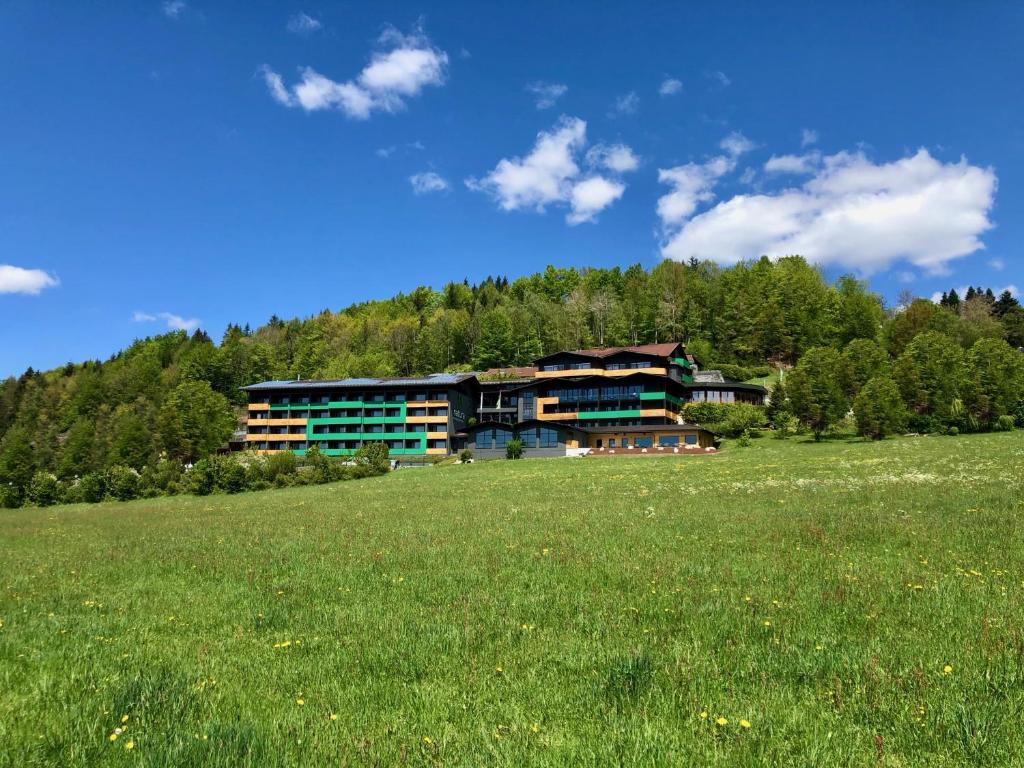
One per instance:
(545,612)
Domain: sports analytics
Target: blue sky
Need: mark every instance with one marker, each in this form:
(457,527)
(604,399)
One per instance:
(172,163)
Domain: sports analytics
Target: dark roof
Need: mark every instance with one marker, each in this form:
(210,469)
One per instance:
(508,374)
(661,350)
(645,428)
(433,380)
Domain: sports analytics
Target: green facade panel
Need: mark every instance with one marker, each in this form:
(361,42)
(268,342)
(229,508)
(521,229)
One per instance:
(629,414)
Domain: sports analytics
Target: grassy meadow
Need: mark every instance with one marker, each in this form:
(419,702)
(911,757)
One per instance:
(787,604)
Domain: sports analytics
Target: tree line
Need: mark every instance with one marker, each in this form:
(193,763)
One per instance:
(175,397)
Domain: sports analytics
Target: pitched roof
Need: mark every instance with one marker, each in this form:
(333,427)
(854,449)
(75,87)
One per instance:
(664,350)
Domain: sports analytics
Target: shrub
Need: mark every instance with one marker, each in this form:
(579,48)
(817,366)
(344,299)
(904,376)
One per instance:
(1005,423)
(44,489)
(160,479)
(953,431)
(229,475)
(744,439)
(200,479)
(465,455)
(785,424)
(373,455)
(92,488)
(734,372)
(727,419)
(514,449)
(122,483)
(278,466)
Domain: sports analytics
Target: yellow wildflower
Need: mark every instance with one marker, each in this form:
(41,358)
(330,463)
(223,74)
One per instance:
(129,745)
(113,737)
(703,715)
(744,723)
(721,721)
(300,702)
(333,716)
(124,718)
(947,669)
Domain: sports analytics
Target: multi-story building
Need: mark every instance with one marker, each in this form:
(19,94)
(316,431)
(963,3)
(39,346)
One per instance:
(412,416)
(620,399)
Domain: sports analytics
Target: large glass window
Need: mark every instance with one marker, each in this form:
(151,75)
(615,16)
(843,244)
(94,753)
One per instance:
(553,368)
(690,439)
(484,439)
(528,437)
(528,405)
(548,437)
(668,440)
(501,438)
(644,442)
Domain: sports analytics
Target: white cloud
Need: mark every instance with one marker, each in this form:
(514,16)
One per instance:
(853,213)
(797,164)
(997,264)
(27,281)
(615,157)
(427,182)
(303,24)
(736,144)
(670,86)
(591,196)
(546,94)
(550,175)
(906,276)
(174,8)
(174,322)
(402,68)
(961,291)
(808,136)
(719,78)
(626,104)
(692,183)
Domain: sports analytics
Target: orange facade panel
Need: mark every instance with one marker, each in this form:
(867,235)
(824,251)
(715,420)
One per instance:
(276,438)
(426,420)
(259,406)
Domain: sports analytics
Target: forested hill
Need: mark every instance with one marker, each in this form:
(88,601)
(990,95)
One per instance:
(173,393)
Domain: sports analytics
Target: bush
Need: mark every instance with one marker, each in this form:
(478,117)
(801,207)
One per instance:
(375,456)
(92,488)
(160,479)
(744,439)
(122,483)
(279,466)
(514,449)
(10,496)
(953,431)
(727,419)
(465,455)
(44,489)
(734,372)
(1005,423)
(200,479)
(760,372)
(785,424)
(229,475)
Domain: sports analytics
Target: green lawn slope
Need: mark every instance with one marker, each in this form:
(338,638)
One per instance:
(787,604)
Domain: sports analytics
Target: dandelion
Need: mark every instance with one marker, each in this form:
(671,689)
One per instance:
(721,721)
(499,671)
(767,623)
(427,740)
(946,670)
(129,745)
(744,723)
(703,715)
(333,716)
(112,737)
(300,702)
(124,718)
(535,727)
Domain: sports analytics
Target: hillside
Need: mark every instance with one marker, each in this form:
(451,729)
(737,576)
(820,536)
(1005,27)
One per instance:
(842,603)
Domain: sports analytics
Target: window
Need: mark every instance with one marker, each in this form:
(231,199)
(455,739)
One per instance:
(553,368)
(644,364)
(644,442)
(419,396)
(483,439)
(528,405)
(668,440)
(394,445)
(616,366)
(548,438)
(611,442)
(580,366)
(690,439)
(501,438)
(625,442)
(438,444)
